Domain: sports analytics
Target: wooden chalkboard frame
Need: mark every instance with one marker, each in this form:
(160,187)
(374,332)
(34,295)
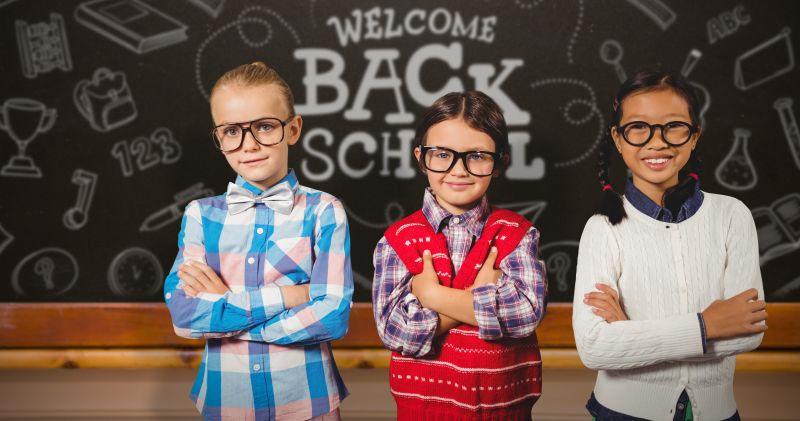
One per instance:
(118,325)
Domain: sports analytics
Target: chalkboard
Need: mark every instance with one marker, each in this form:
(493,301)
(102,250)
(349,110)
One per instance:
(104,119)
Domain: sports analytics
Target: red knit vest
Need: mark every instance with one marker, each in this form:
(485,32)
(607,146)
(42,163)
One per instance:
(466,378)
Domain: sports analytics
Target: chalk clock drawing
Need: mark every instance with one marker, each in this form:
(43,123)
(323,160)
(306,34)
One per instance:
(46,273)
(247,15)
(135,272)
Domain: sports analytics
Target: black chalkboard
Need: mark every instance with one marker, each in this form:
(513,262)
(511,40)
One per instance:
(104,120)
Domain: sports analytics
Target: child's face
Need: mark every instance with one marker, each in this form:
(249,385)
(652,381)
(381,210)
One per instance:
(655,165)
(262,166)
(457,190)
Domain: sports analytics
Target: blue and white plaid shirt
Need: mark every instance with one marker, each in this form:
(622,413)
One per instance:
(263,361)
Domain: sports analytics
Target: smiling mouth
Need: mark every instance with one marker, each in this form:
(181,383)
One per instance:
(253,161)
(657,163)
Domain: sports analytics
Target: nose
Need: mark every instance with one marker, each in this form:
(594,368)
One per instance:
(249,142)
(459,169)
(657,142)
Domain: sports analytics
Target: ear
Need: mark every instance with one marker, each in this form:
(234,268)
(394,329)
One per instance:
(696,138)
(293,130)
(504,160)
(417,154)
(617,139)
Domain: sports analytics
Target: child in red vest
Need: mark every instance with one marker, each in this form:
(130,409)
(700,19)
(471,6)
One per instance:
(459,286)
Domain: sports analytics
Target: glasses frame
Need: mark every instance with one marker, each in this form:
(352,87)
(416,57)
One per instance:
(249,124)
(692,130)
(456,156)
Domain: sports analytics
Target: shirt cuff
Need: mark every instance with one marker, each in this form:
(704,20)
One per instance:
(484,303)
(703,336)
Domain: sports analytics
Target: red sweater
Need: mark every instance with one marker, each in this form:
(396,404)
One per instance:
(468,378)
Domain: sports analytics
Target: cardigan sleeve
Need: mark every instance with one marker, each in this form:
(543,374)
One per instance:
(629,343)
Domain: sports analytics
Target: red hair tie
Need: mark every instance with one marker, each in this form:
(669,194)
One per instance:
(607,187)
(694,175)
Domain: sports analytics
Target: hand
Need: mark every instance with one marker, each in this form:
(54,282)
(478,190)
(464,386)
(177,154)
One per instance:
(487,274)
(198,277)
(294,295)
(605,303)
(426,281)
(736,316)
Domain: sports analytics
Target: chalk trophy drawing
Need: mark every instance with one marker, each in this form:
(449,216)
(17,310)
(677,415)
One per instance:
(560,260)
(77,216)
(160,147)
(702,93)
(105,100)
(736,171)
(174,211)
(789,123)
(594,112)
(247,15)
(529,209)
(392,213)
(611,53)
(132,24)
(778,227)
(135,272)
(765,61)
(656,10)
(43,46)
(23,119)
(5,238)
(48,272)
(212,7)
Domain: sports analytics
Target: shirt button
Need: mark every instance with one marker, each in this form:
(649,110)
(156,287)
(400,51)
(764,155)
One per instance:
(260,230)
(680,406)
(456,220)
(251,260)
(256,367)
(169,295)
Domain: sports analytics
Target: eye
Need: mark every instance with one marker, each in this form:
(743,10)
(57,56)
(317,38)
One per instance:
(638,126)
(231,130)
(478,156)
(265,126)
(677,125)
(440,154)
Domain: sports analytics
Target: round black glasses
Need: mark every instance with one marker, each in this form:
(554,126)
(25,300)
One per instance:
(674,133)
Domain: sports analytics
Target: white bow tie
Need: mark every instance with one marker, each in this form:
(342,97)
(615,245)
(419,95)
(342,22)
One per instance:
(279,197)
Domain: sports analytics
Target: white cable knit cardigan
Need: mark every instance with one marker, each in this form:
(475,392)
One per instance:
(665,274)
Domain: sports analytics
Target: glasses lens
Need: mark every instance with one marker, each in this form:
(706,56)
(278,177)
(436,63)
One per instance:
(438,159)
(677,132)
(228,137)
(637,132)
(268,131)
(479,163)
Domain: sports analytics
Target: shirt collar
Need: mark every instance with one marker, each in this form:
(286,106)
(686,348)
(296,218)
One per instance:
(645,205)
(438,217)
(290,178)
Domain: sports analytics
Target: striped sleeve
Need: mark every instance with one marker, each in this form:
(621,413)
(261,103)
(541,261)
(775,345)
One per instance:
(515,306)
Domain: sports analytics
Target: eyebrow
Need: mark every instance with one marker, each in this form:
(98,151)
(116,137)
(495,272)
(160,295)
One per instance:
(667,115)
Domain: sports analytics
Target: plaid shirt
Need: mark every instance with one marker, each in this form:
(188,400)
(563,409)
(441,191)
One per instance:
(263,361)
(512,308)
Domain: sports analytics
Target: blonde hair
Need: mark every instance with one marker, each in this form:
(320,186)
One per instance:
(253,74)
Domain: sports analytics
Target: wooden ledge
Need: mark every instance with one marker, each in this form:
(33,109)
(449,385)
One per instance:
(138,358)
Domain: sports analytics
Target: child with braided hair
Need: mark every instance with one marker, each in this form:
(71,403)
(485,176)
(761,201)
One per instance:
(459,286)
(668,285)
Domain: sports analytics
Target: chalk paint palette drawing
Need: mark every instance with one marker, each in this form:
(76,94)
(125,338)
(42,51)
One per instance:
(764,62)
(135,273)
(43,46)
(132,24)
(46,273)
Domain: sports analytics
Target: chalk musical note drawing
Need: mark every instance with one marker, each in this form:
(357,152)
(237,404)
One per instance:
(135,272)
(43,46)
(593,112)
(560,260)
(392,213)
(778,227)
(785,112)
(764,62)
(212,7)
(702,93)
(132,24)
(174,211)
(48,272)
(77,216)
(657,11)
(105,100)
(611,53)
(247,15)
(160,147)
(5,238)
(23,119)
(736,171)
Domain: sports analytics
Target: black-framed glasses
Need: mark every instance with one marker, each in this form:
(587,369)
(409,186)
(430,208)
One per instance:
(267,131)
(674,133)
(439,159)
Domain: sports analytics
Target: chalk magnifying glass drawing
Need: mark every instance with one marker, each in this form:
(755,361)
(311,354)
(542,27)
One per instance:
(611,53)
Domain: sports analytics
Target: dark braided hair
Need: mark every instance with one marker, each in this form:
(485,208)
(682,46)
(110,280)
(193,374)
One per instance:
(644,81)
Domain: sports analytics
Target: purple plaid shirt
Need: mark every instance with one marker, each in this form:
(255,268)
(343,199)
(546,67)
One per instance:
(512,308)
